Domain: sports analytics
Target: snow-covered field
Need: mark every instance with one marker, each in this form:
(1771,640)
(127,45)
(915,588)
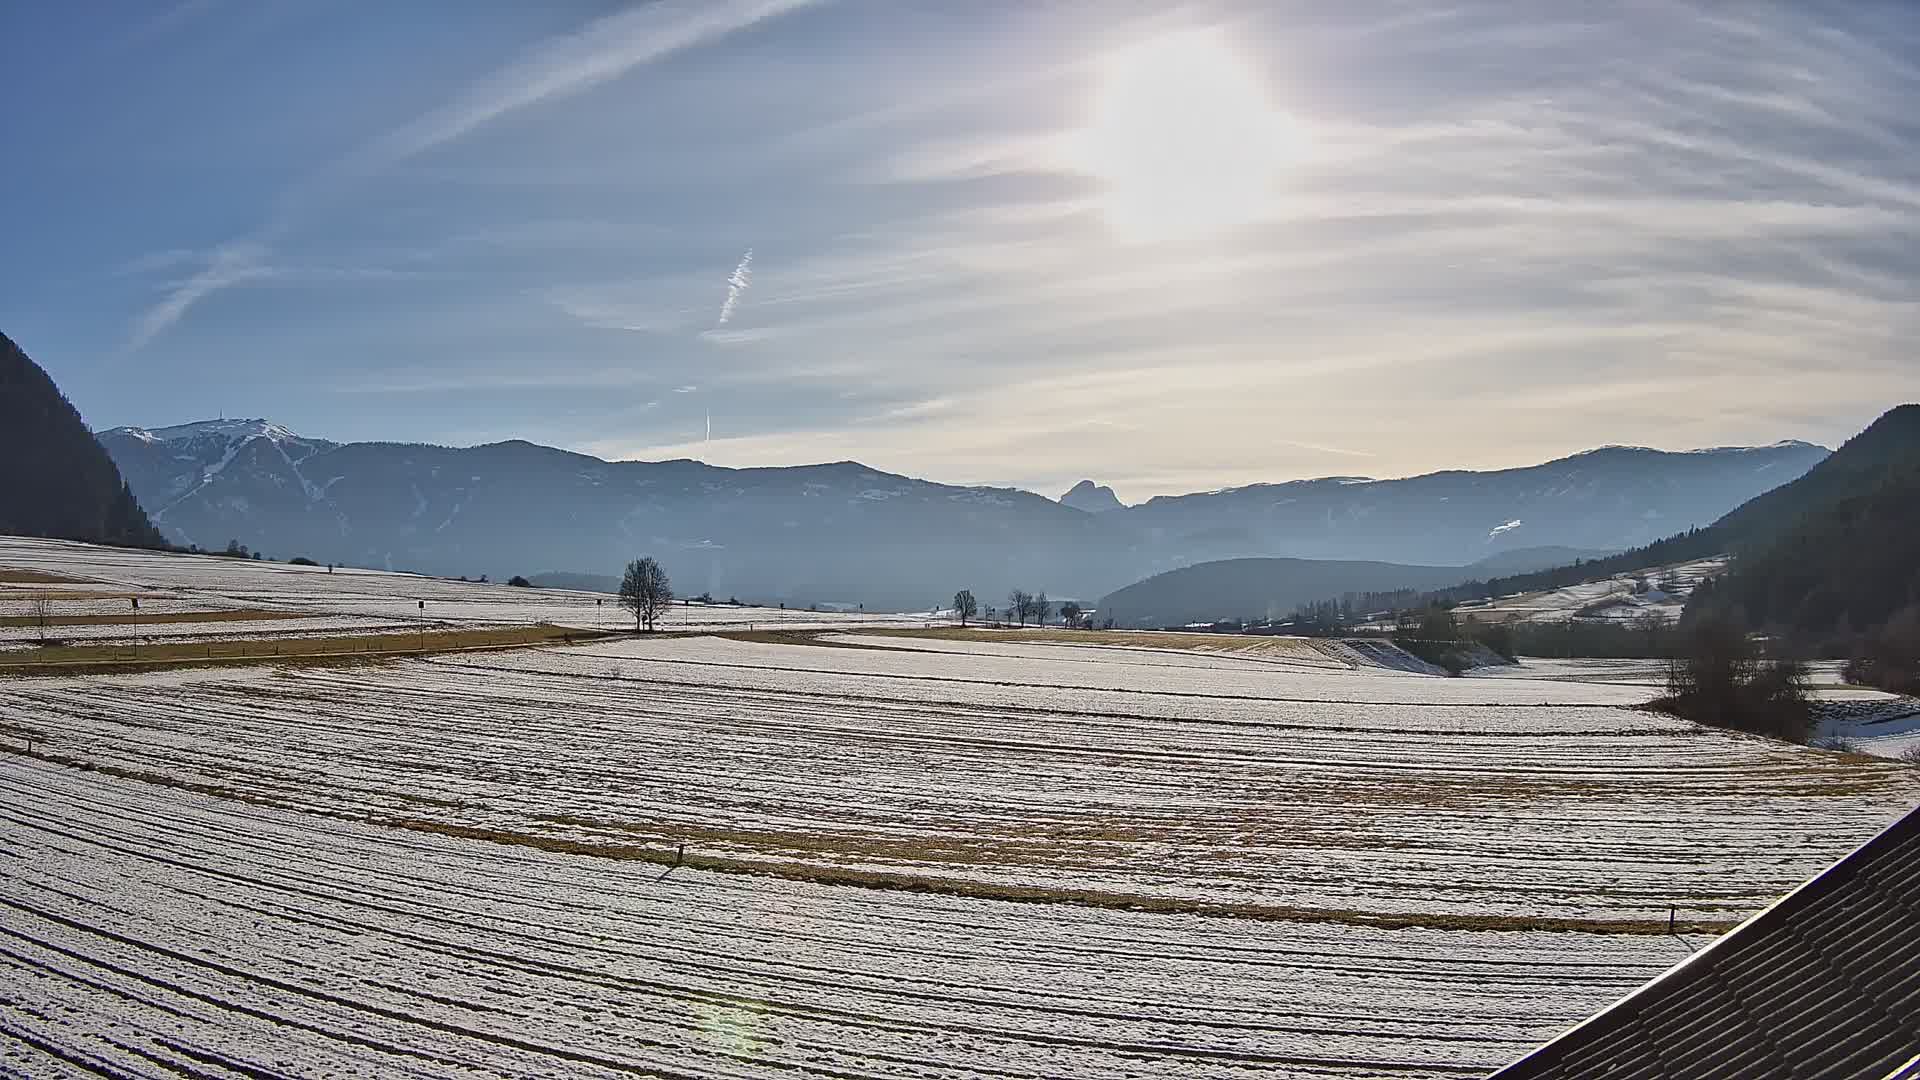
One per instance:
(146,932)
(343,601)
(904,856)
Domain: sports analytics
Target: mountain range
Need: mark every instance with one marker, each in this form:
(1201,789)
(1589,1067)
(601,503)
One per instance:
(1611,498)
(845,532)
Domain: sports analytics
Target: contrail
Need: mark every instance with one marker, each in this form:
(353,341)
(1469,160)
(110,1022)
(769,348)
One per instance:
(737,283)
(559,67)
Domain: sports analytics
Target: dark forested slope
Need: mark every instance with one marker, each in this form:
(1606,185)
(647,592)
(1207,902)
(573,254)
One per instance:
(1846,560)
(55,478)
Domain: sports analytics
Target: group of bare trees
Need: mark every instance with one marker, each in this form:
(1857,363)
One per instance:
(645,591)
(1021,606)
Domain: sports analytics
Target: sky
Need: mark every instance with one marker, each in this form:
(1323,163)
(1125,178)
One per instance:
(1168,247)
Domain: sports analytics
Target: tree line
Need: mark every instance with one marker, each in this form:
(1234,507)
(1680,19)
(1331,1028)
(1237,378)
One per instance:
(1021,606)
(1843,583)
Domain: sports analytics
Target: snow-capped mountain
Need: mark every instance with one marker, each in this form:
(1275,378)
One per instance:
(846,532)
(171,464)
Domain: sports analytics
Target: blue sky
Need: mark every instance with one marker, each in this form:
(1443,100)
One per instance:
(1164,246)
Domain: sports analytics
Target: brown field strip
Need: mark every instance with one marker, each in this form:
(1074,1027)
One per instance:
(17,593)
(22,575)
(85,659)
(1137,639)
(11,575)
(1032,894)
(138,618)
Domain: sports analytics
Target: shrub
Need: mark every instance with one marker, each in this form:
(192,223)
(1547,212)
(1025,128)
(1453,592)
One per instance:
(1719,680)
(1498,637)
(301,560)
(1433,634)
(1889,657)
(519,582)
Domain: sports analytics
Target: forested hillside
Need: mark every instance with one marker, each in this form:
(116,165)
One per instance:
(1843,576)
(1850,566)
(1692,544)
(55,479)
(1830,542)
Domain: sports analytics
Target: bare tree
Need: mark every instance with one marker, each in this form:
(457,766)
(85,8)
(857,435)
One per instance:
(1020,605)
(1040,605)
(645,591)
(965,606)
(1070,613)
(41,608)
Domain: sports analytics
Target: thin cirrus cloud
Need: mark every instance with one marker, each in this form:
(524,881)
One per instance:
(1705,231)
(1517,230)
(603,50)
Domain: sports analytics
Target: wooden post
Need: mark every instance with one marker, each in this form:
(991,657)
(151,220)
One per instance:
(1670,915)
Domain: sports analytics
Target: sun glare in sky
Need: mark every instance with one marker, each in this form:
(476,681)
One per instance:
(1184,138)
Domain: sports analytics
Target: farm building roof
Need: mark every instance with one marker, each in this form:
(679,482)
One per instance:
(1823,985)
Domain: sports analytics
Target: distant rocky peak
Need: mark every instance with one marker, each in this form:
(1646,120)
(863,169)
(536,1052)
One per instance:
(1091,497)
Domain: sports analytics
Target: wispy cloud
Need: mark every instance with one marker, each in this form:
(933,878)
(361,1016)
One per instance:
(162,22)
(230,264)
(1667,222)
(603,50)
(443,382)
(737,283)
